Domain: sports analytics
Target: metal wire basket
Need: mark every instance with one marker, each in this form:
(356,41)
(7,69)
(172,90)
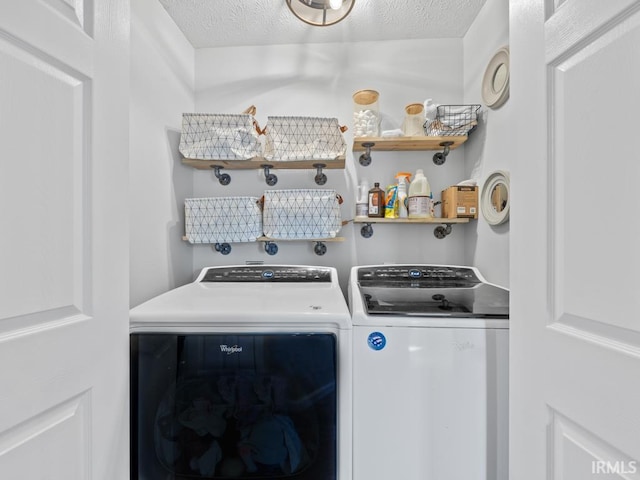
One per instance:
(453,120)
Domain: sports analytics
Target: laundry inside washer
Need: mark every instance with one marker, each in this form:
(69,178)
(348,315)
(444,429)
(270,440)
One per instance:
(236,404)
(223,388)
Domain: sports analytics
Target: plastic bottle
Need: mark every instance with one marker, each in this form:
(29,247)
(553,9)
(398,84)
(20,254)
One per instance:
(391,201)
(420,197)
(376,201)
(402,198)
(362,202)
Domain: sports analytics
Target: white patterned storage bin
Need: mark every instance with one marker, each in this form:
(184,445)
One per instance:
(219,136)
(303,138)
(222,219)
(301,213)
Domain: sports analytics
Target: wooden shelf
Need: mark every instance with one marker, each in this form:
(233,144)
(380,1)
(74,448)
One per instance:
(271,244)
(430,220)
(257,163)
(407,143)
(275,240)
(442,229)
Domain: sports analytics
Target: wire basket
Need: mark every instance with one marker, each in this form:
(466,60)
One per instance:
(453,120)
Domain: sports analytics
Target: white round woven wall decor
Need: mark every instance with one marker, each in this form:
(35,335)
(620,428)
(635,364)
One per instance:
(495,84)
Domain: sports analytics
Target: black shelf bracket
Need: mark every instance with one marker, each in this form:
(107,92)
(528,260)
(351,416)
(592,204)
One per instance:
(269,177)
(320,248)
(224,178)
(441,157)
(320,177)
(271,248)
(365,158)
(367,230)
(223,248)
(442,231)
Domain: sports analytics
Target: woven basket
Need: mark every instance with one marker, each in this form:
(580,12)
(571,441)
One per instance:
(222,219)
(301,213)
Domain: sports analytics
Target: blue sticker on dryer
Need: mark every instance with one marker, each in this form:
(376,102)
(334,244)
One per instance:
(376,341)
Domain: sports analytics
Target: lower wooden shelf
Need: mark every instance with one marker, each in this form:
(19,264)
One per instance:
(411,220)
(441,231)
(257,163)
(269,239)
(330,239)
(270,244)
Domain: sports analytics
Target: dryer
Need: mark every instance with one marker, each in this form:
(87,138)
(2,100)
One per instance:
(430,373)
(244,373)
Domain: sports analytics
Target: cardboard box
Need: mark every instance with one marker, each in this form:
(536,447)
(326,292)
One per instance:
(460,201)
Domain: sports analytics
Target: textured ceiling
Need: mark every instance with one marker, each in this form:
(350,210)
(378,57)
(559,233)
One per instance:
(220,23)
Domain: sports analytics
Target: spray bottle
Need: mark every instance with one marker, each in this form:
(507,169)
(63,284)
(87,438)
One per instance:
(402,198)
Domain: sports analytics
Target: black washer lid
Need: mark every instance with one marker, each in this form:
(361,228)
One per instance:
(430,290)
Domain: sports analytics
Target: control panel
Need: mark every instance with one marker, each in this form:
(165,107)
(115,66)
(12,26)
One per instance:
(262,273)
(419,275)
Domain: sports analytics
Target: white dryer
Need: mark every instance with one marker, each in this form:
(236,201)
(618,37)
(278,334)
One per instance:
(244,373)
(430,373)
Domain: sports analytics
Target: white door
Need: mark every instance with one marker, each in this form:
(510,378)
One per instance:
(63,249)
(575,328)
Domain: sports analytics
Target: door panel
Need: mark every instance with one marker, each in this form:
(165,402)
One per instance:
(59,436)
(44,184)
(575,339)
(64,252)
(595,180)
(578,454)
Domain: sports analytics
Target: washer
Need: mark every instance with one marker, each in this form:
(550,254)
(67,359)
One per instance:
(430,373)
(244,373)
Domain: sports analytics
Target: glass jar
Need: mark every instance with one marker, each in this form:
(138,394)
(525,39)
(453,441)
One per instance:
(413,125)
(366,113)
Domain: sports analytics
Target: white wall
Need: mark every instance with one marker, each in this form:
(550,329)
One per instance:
(491,147)
(169,78)
(162,88)
(319,80)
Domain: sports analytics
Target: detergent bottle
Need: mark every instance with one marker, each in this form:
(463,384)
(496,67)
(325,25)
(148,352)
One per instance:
(402,198)
(420,197)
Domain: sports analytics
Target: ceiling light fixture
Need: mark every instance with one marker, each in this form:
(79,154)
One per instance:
(320,13)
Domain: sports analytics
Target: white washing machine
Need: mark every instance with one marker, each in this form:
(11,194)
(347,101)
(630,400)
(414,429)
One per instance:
(430,373)
(244,373)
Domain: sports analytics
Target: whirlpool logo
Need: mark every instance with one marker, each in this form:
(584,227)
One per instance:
(230,349)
